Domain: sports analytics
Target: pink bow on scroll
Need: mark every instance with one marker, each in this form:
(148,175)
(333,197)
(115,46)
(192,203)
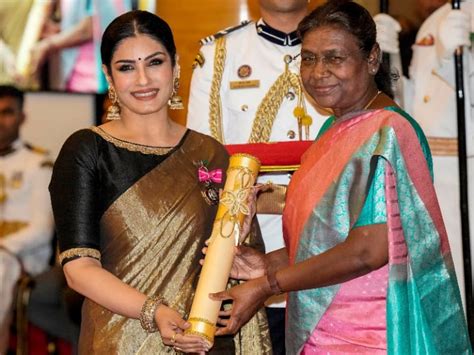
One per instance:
(210,176)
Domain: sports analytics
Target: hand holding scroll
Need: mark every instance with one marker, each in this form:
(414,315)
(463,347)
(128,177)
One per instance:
(172,327)
(247,299)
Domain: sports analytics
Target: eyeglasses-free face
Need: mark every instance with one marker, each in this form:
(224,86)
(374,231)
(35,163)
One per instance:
(142,75)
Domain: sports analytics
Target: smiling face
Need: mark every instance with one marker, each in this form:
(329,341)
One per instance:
(335,72)
(142,75)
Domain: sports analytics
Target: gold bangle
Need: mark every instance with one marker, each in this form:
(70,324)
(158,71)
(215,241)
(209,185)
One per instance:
(147,314)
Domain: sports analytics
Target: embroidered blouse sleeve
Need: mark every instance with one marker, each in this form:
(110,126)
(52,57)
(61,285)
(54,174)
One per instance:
(74,191)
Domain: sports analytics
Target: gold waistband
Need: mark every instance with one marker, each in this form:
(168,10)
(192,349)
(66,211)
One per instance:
(443,146)
(272,201)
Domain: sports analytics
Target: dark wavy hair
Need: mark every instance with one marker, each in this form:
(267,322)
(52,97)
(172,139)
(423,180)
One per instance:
(356,20)
(132,24)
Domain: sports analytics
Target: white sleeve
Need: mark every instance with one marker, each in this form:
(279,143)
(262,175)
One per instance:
(40,229)
(198,107)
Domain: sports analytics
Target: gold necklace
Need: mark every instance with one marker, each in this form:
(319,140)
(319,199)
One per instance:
(372,100)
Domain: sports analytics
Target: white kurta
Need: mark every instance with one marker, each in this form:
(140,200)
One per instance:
(430,99)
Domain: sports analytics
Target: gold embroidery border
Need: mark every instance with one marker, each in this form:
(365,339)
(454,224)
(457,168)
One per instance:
(80,252)
(133,147)
(203,320)
(202,327)
(279,168)
(203,335)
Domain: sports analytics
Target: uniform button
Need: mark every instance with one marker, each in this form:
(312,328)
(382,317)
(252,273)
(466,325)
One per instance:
(244,108)
(291,134)
(426,99)
(290,96)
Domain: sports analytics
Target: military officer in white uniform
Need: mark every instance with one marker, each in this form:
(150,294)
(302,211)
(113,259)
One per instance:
(26,222)
(429,96)
(245,88)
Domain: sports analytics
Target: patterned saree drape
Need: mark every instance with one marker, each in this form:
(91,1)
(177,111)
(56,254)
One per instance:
(324,201)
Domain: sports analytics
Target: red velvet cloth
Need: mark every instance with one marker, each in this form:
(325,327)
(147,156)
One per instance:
(273,154)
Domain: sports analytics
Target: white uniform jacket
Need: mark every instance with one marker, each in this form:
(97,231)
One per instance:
(26,221)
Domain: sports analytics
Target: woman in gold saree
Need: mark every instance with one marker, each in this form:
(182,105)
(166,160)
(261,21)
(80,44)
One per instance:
(134,199)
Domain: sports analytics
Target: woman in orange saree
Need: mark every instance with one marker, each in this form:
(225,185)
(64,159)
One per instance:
(367,264)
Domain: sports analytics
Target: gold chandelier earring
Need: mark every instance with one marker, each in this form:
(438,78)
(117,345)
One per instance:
(113,111)
(176,102)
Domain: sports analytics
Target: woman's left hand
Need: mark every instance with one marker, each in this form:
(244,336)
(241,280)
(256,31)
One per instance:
(172,327)
(247,299)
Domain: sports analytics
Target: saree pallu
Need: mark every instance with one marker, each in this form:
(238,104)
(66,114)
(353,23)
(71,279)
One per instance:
(151,239)
(423,306)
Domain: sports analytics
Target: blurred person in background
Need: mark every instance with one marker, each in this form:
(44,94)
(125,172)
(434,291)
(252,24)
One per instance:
(26,223)
(73,31)
(407,30)
(429,95)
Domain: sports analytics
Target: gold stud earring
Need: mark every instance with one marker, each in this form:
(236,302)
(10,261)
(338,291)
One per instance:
(113,111)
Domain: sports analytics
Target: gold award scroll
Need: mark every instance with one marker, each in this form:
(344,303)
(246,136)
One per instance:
(241,175)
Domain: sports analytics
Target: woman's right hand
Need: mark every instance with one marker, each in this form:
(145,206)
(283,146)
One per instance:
(172,327)
(248,263)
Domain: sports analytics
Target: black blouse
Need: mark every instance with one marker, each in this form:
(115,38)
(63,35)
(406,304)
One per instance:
(91,172)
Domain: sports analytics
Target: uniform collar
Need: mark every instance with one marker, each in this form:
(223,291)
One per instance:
(278,37)
(11,148)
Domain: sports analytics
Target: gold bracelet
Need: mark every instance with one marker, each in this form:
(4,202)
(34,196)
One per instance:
(147,314)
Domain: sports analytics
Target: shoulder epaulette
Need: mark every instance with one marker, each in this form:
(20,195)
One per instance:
(36,149)
(225,31)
